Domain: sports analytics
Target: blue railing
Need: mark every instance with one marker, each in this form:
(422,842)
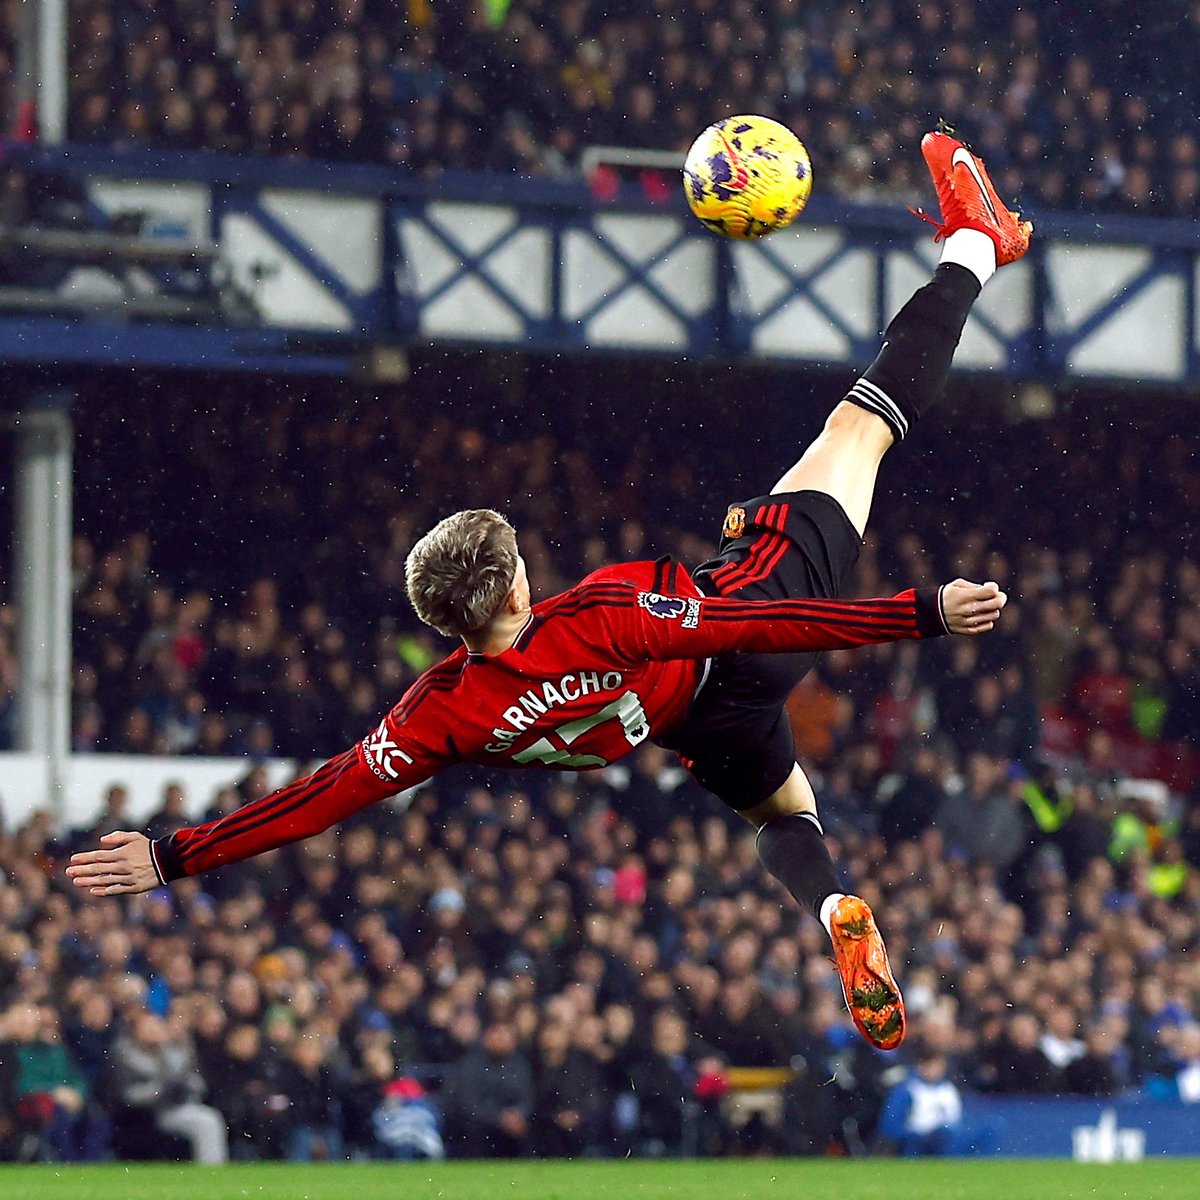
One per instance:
(313,264)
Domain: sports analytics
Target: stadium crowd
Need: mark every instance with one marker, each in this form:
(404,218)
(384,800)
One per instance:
(536,964)
(1068,102)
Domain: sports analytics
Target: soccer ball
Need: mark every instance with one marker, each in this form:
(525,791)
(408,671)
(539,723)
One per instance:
(745,177)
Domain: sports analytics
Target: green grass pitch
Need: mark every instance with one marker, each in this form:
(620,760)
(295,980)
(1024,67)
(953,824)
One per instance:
(740,1179)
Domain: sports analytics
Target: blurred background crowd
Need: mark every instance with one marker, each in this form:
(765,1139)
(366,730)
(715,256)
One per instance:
(545,964)
(1068,102)
(571,965)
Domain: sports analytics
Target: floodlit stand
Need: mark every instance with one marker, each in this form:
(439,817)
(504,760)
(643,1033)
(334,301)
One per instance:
(44,439)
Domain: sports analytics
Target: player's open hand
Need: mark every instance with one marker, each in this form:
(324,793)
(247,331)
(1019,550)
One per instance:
(121,868)
(972,608)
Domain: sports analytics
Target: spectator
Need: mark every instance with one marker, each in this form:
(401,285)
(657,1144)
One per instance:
(489,1098)
(1017,1063)
(405,1123)
(10,1128)
(1060,1041)
(1094,1072)
(986,821)
(1184,1081)
(923,1113)
(314,1132)
(89,1037)
(663,1084)
(50,1092)
(567,1096)
(157,1073)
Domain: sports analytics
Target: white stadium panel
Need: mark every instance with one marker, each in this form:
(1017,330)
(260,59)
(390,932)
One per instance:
(800,330)
(638,237)
(343,232)
(1145,338)
(589,273)
(760,280)
(181,209)
(1085,277)
(600,286)
(492,298)
(906,268)
(474,227)
(470,309)
(27,783)
(1007,301)
(979,349)
(685,276)
(522,265)
(847,288)
(636,319)
(841,277)
(801,250)
(426,261)
(284,290)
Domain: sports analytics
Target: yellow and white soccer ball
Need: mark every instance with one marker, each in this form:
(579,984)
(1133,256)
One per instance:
(746,177)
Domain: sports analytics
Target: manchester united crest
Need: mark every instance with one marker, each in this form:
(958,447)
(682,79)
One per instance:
(735,523)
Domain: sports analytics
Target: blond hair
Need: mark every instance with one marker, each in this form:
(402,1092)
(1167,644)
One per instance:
(459,574)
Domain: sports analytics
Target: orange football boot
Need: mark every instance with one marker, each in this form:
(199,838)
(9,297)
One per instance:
(967,198)
(872,995)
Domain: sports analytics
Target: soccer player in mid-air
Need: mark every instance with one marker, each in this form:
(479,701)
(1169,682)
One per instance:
(701,663)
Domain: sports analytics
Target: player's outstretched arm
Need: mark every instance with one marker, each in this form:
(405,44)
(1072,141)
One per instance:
(971,608)
(129,862)
(697,627)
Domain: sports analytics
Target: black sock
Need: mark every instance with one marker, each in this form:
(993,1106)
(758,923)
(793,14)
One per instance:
(793,849)
(910,371)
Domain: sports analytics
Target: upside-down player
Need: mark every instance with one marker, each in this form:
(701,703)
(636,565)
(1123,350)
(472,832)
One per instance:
(701,663)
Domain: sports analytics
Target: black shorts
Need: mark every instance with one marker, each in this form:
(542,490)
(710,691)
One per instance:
(791,546)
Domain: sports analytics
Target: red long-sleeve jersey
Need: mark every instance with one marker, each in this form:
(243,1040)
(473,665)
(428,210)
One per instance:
(596,671)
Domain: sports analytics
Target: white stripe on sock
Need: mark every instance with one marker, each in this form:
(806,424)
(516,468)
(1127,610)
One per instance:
(882,396)
(881,403)
(869,402)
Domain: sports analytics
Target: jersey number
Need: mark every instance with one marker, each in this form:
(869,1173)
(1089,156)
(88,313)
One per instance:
(627,709)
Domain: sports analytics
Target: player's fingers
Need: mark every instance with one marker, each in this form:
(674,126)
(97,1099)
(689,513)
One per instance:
(95,874)
(990,613)
(115,889)
(95,881)
(119,837)
(88,857)
(91,857)
(974,616)
(100,867)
